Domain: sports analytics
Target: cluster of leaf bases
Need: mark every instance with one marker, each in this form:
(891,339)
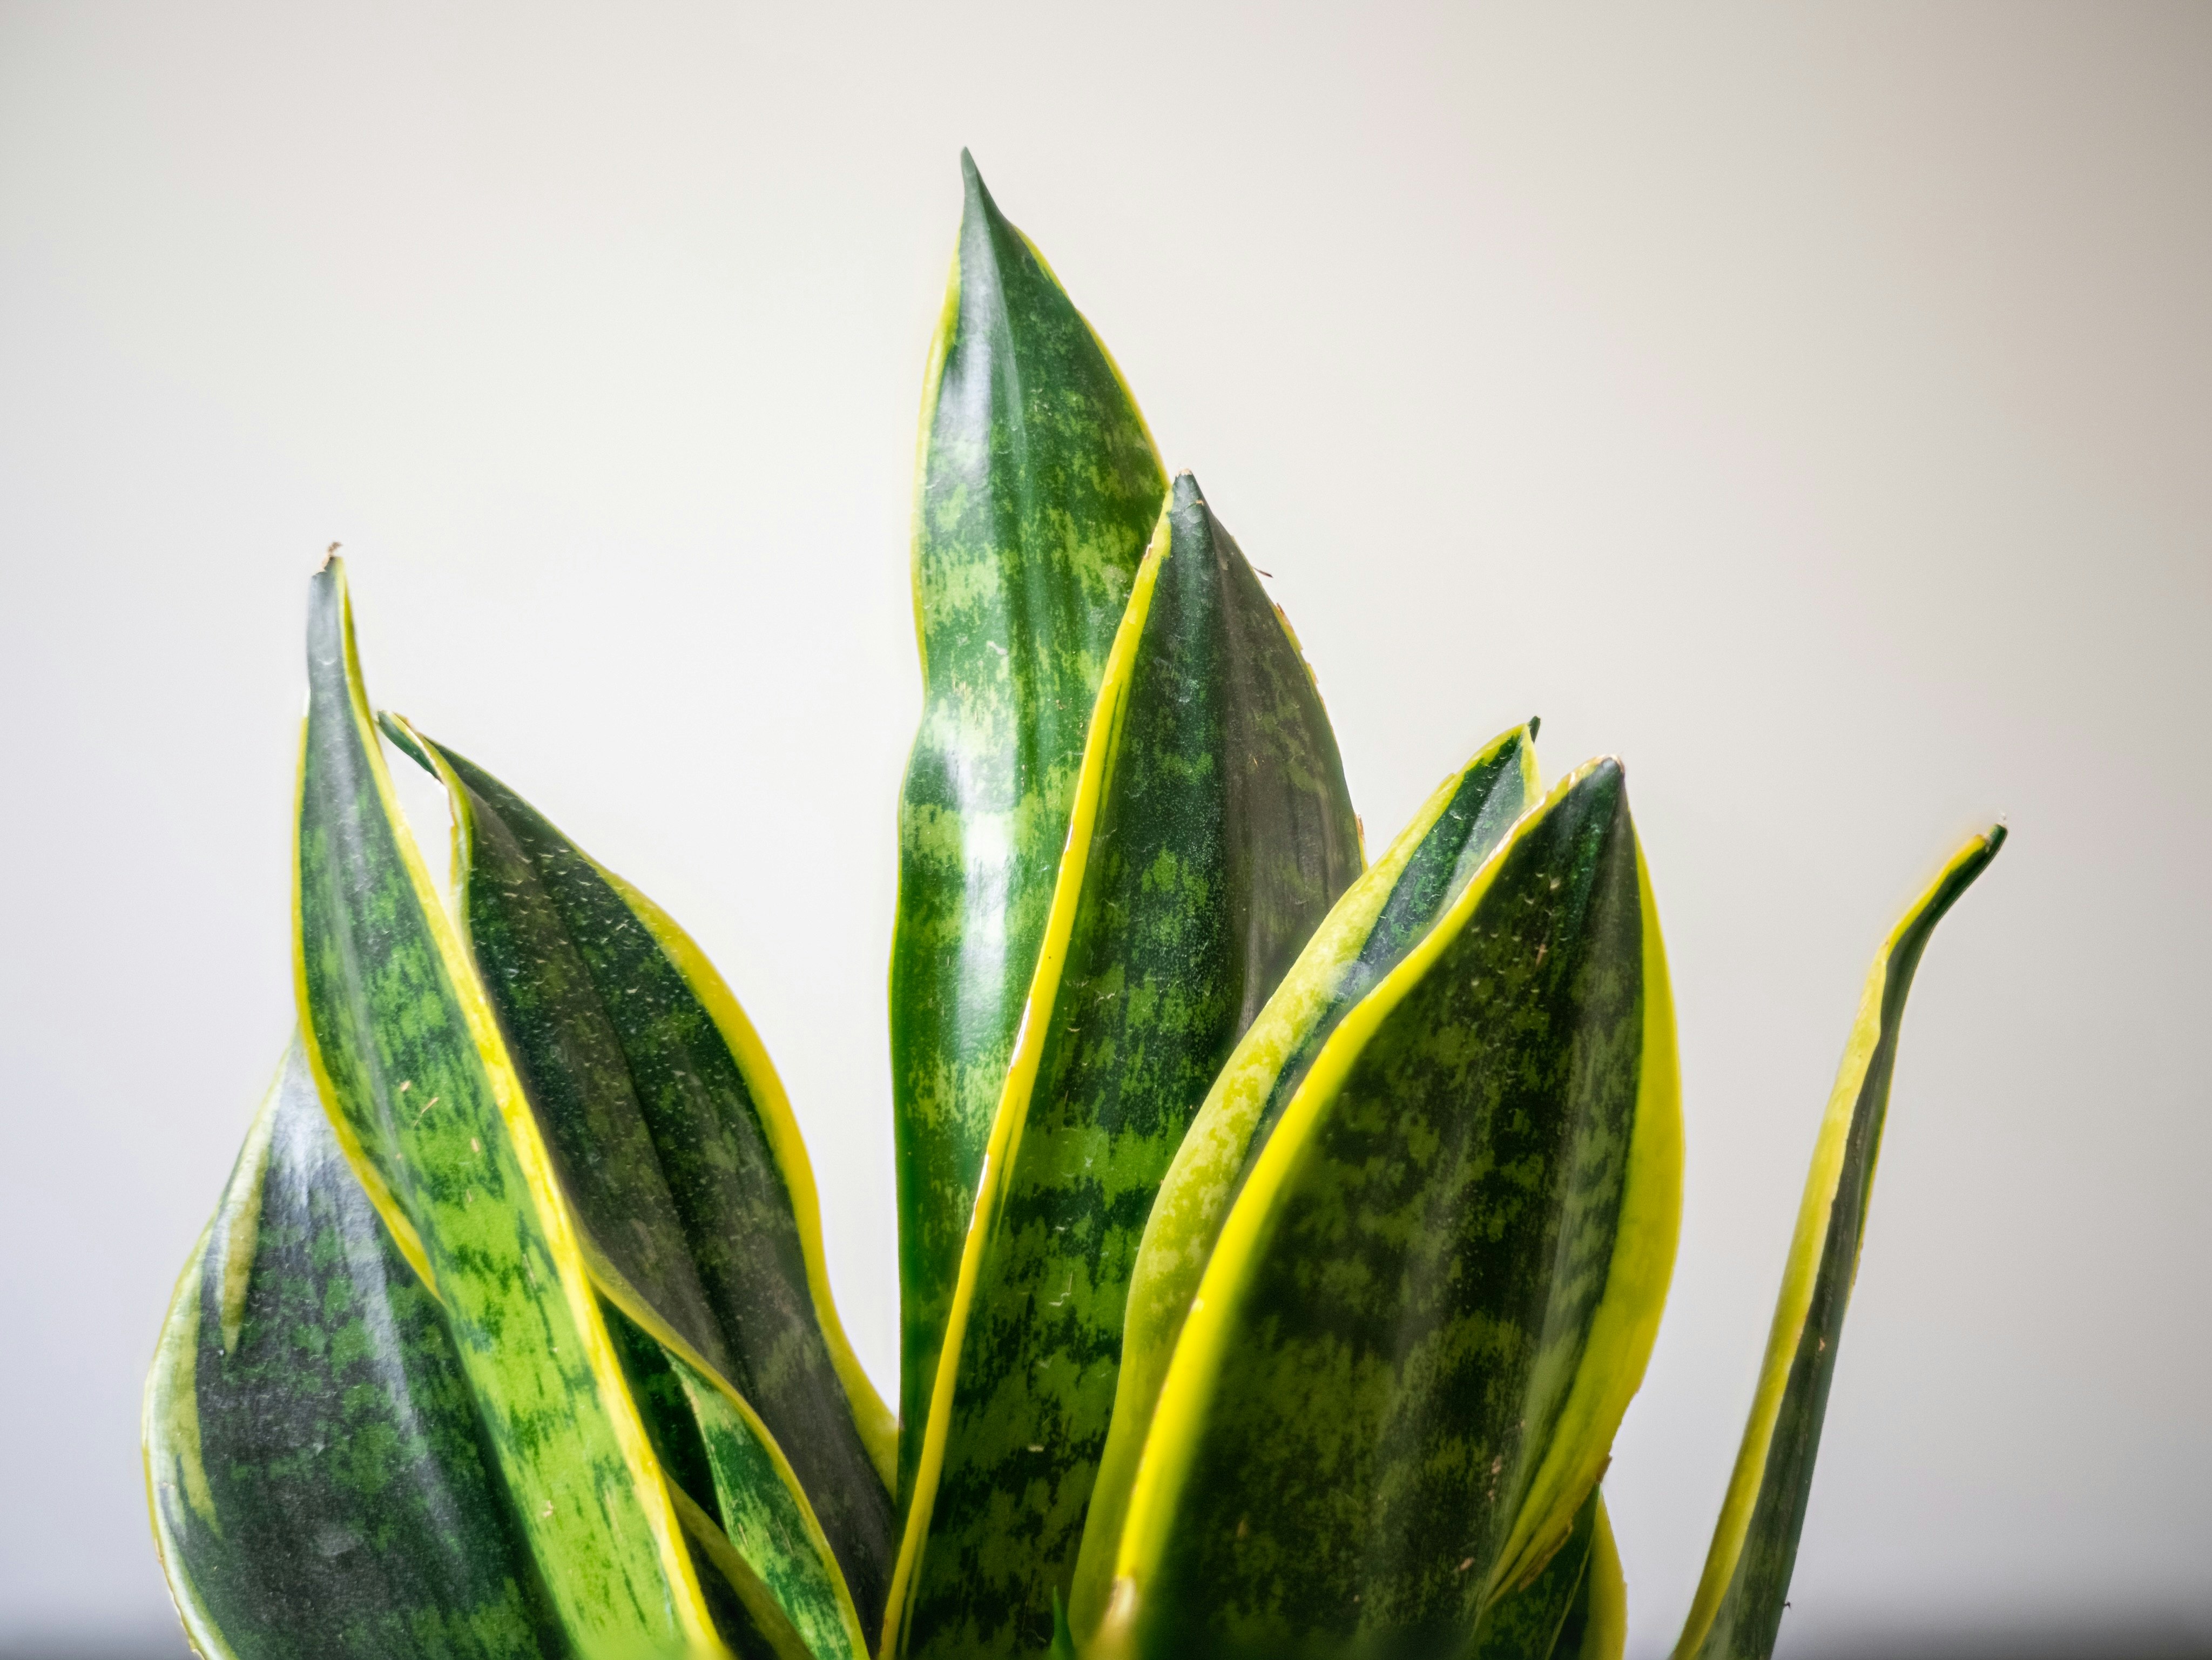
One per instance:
(1282,1233)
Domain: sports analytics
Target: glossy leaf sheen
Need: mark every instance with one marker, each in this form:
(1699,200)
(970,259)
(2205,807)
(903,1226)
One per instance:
(1737,1611)
(1396,1322)
(661,1146)
(1038,488)
(320,1482)
(1380,918)
(410,1067)
(1223,833)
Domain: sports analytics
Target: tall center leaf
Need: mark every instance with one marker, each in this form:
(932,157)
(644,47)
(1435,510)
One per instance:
(1039,487)
(1211,833)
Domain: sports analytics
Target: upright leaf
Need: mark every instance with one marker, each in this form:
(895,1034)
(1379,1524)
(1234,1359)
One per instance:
(676,1147)
(1039,487)
(1525,1623)
(419,1090)
(1380,918)
(318,1480)
(1211,833)
(1738,1609)
(1439,1287)
(1596,1625)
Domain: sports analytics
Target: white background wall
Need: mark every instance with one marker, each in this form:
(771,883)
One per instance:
(1814,407)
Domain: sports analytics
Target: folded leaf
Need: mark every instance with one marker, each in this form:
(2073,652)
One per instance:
(319,1482)
(423,1097)
(1380,918)
(1738,1609)
(1039,487)
(1431,1302)
(1211,831)
(674,1146)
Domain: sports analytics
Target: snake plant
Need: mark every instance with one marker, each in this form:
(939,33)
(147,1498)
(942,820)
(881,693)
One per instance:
(1282,1233)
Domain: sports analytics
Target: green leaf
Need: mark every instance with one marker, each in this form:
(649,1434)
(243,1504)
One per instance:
(318,1480)
(1437,1290)
(1525,1623)
(1039,487)
(674,1146)
(1738,1609)
(1596,1625)
(1380,918)
(424,1100)
(1211,833)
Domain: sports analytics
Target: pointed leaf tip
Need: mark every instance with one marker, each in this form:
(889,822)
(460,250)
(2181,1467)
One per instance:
(1536,724)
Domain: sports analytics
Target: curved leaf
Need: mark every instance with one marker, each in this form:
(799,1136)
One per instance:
(674,1144)
(319,1482)
(1212,832)
(422,1096)
(1380,918)
(1738,1609)
(1431,1302)
(1038,486)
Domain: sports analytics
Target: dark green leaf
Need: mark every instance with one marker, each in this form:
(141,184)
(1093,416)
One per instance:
(1211,833)
(1439,1287)
(320,1482)
(1738,1609)
(1039,485)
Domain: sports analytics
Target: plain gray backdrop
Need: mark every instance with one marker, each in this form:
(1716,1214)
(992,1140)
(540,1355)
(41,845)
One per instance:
(1812,406)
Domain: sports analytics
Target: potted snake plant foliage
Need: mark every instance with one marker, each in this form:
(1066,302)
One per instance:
(1283,1227)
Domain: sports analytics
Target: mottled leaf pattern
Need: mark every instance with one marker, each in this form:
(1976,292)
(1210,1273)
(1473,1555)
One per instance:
(681,1169)
(1439,1283)
(320,1483)
(408,1062)
(1038,488)
(1380,918)
(1738,1609)
(1211,833)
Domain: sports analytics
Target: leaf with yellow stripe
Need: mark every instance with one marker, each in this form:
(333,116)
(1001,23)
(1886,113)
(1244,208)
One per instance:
(412,1069)
(319,1480)
(1439,1287)
(676,1148)
(1380,918)
(1212,832)
(1737,1610)
(1037,487)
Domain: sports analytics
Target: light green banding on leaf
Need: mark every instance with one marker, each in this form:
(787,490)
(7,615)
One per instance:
(318,1480)
(673,1141)
(1738,1609)
(408,1060)
(1036,486)
(1380,918)
(1388,1337)
(1213,831)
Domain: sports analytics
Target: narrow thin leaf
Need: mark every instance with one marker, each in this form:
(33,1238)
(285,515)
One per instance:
(319,1482)
(419,1090)
(674,1145)
(1432,1300)
(1738,1609)
(1211,833)
(1380,918)
(1038,486)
